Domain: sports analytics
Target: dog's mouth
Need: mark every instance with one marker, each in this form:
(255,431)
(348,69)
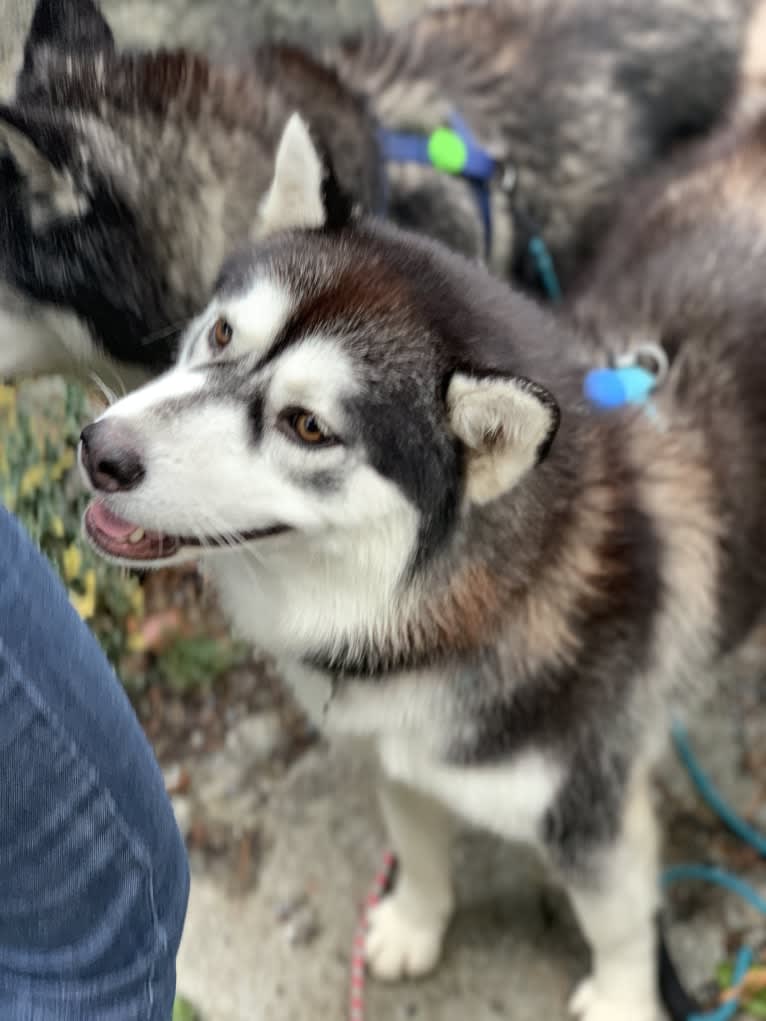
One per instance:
(125,540)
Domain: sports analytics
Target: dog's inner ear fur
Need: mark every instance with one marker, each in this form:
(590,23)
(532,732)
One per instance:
(304,192)
(506,425)
(49,193)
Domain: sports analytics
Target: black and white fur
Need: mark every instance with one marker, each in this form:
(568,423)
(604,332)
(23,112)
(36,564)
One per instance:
(126,178)
(501,589)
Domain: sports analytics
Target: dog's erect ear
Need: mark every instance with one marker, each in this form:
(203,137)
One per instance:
(62,26)
(304,191)
(37,153)
(507,425)
(70,25)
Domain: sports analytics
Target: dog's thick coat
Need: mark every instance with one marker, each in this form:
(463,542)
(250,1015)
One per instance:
(578,99)
(126,178)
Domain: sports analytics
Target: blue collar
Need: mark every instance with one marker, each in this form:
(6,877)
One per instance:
(456,151)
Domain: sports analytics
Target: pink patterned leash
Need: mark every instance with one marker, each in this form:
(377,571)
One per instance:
(380,887)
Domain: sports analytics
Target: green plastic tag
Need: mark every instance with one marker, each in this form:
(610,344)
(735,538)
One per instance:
(447,151)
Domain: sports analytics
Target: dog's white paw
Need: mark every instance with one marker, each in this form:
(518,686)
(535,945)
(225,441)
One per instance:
(588,1004)
(397,947)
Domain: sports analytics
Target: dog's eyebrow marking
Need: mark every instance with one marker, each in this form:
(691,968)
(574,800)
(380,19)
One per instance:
(355,296)
(257,317)
(317,373)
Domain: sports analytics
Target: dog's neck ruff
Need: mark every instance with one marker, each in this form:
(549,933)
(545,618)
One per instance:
(455,150)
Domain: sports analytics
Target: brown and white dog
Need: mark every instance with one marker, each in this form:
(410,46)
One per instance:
(384,462)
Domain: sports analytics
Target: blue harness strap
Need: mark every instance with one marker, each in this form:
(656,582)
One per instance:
(479,170)
(476,165)
(455,150)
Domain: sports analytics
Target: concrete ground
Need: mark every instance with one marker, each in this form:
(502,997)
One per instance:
(281,950)
(268,935)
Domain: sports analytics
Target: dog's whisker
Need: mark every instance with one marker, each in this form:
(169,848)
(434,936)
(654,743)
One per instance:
(106,391)
(166,331)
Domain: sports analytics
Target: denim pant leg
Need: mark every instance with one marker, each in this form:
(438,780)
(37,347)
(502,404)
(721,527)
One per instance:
(94,878)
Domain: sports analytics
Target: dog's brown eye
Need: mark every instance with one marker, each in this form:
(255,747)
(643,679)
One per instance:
(221,334)
(308,429)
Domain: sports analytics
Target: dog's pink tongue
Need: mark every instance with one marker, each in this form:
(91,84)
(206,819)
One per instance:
(110,524)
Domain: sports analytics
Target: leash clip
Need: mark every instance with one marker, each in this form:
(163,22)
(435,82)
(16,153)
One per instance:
(508,177)
(650,357)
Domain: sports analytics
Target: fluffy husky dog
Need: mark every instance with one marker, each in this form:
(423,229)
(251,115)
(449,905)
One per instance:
(126,178)
(382,457)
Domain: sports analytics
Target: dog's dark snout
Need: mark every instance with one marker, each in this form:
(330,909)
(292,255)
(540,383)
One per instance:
(110,455)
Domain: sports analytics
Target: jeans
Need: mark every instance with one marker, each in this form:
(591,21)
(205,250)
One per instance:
(94,878)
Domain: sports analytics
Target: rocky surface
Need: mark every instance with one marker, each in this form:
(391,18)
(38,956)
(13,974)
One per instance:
(283,832)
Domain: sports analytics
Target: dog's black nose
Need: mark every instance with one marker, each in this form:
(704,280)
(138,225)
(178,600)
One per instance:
(110,457)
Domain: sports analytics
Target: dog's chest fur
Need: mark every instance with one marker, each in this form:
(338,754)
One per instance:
(412,720)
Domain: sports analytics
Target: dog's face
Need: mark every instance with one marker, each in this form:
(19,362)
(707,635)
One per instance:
(79,287)
(316,402)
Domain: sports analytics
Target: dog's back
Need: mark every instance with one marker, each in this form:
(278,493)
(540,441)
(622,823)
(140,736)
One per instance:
(580,98)
(683,268)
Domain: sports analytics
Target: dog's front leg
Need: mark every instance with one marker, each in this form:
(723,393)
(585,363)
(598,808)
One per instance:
(616,906)
(406,930)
